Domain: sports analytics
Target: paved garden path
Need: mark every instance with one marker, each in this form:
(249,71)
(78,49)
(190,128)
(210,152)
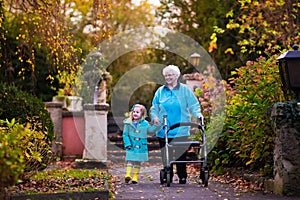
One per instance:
(149,187)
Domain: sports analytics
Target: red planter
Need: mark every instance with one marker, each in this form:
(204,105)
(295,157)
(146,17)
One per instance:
(73,134)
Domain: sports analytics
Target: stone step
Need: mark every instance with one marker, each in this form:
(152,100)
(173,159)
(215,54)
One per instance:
(119,156)
(115,125)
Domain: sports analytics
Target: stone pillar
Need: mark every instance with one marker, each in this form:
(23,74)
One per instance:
(194,80)
(55,110)
(70,103)
(285,118)
(95,147)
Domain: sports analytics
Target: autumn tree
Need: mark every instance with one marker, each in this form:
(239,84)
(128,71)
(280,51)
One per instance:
(199,19)
(262,26)
(37,45)
(43,42)
(123,16)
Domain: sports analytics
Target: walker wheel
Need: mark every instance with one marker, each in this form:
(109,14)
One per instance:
(162,176)
(204,176)
(168,178)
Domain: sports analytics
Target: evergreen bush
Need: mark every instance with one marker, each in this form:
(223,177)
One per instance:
(32,113)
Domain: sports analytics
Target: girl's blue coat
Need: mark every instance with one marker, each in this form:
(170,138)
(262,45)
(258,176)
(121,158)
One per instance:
(136,137)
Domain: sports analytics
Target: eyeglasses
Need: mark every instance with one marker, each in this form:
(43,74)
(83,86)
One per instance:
(168,75)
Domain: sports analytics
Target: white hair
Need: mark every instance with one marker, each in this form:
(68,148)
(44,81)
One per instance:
(171,68)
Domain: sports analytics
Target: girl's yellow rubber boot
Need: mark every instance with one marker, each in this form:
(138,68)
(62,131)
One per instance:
(128,173)
(135,177)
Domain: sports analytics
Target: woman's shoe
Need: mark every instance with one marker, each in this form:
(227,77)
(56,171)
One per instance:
(182,181)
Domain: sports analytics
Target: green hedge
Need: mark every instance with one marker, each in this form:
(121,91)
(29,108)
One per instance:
(32,113)
(22,106)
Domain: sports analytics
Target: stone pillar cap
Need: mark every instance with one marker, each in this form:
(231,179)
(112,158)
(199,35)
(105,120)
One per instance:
(54,104)
(103,106)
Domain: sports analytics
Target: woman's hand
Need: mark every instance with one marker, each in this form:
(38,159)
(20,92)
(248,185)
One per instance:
(200,116)
(156,121)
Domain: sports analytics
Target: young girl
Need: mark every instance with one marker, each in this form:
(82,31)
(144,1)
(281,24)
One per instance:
(135,133)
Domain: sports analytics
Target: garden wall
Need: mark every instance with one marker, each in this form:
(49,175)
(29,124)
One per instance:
(285,119)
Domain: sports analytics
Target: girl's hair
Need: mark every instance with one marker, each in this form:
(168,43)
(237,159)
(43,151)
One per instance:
(143,109)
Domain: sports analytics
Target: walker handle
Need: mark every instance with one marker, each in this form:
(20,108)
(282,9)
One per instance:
(201,119)
(191,124)
(165,121)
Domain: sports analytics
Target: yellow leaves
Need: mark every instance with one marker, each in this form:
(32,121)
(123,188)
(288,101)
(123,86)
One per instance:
(213,42)
(67,55)
(212,46)
(232,25)
(205,86)
(29,61)
(27,154)
(230,51)
(213,37)
(253,154)
(244,2)
(218,30)
(233,73)
(282,2)
(255,3)
(22,36)
(229,14)
(20,59)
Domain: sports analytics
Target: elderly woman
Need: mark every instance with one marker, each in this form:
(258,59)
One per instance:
(178,102)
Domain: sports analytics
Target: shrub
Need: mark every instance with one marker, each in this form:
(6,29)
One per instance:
(19,145)
(210,91)
(19,105)
(247,139)
(11,158)
(29,111)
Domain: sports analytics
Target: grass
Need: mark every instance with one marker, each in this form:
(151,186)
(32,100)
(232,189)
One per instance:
(66,174)
(63,180)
